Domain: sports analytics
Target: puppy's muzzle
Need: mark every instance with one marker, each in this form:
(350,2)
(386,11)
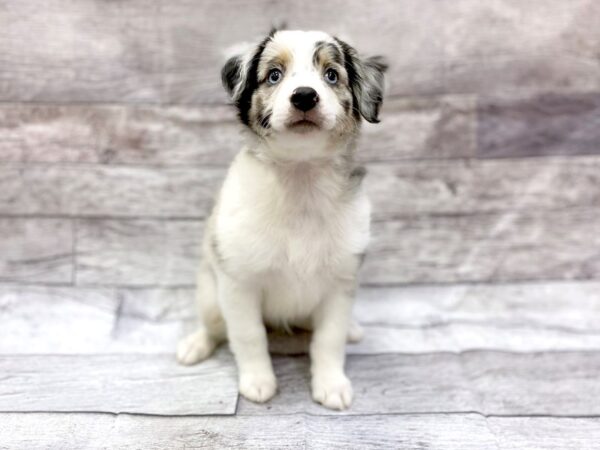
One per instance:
(304,98)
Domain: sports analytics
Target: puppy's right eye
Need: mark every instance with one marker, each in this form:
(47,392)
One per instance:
(274,76)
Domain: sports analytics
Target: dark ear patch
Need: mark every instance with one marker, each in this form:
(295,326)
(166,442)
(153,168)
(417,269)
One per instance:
(372,85)
(244,102)
(231,73)
(240,78)
(331,50)
(366,82)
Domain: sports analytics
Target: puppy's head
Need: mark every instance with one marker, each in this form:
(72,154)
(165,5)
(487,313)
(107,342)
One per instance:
(304,91)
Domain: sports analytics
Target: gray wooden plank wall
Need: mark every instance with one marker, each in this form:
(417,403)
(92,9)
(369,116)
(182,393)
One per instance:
(90,50)
(88,138)
(112,119)
(450,207)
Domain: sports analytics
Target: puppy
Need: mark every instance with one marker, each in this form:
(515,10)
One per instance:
(290,226)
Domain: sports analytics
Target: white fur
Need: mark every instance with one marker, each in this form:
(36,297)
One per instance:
(282,247)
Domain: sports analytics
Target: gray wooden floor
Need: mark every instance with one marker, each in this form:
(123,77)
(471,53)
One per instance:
(457,366)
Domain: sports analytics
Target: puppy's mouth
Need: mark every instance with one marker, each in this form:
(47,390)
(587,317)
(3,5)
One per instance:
(303,125)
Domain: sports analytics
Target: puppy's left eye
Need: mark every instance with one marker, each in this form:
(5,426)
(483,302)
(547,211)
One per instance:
(275,76)
(331,76)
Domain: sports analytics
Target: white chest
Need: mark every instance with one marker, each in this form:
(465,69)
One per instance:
(299,225)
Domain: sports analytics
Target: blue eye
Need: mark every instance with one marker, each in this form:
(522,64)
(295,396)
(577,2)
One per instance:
(275,76)
(331,76)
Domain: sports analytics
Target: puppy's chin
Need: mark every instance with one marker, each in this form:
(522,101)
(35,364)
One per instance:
(301,142)
(304,126)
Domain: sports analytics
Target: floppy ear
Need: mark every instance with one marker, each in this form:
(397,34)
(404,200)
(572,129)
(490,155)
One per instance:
(366,81)
(231,74)
(235,72)
(239,75)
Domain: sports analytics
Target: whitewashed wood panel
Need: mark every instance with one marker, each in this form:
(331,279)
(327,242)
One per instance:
(138,252)
(395,189)
(482,186)
(436,431)
(487,382)
(487,247)
(491,383)
(494,247)
(171,53)
(518,318)
(518,433)
(133,383)
(118,134)
(539,125)
(511,46)
(97,190)
(441,127)
(573,306)
(36,250)
(464,431)
(44,320)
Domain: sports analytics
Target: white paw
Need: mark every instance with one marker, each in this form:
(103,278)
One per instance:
(194,348)
(332,391)
(355,333)
(257,386)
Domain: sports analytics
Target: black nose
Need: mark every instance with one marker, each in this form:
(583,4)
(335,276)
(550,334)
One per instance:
(304,98)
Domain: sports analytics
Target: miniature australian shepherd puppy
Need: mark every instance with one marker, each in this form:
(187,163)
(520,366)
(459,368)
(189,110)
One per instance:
(290,226)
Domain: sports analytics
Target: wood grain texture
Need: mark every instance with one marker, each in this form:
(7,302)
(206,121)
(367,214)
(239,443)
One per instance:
(494,247)
(118,134)
(411,127)
(45,320)
(491,383)
(511,46)
(549,124)
(517,317)
(396,189)
(36,250)
(489,247)
(479,186)
(138,252)
(439,431)
(545,433)
(487,382)
(465,431)
(148,384)
(437,127)
(408,320)
(102,191)
(171,53)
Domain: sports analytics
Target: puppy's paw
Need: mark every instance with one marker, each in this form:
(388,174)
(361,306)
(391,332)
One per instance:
(258,386)
(194,348)
(332,391)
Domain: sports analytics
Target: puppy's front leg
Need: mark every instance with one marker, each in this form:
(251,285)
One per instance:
(241,308)
(331,321)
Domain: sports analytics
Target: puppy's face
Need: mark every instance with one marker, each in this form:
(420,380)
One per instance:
(303,92)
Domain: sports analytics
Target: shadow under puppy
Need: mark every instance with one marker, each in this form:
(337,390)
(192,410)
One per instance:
(291,223)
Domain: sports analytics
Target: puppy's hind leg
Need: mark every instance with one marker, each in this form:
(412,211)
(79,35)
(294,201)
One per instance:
(200,344)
